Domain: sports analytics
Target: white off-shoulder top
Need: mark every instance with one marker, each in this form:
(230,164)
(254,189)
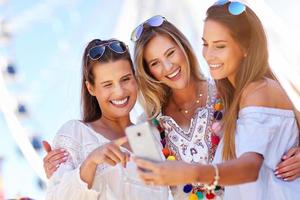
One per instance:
(270,132)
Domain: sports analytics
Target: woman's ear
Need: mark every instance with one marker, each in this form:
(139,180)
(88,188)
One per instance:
(90,88)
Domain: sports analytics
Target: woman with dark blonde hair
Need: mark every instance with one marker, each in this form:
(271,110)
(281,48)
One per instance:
(175,92)
(259,124)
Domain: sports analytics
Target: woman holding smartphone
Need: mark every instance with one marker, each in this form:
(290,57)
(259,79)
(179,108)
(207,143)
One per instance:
(97,164)
(259,123)
(183,100)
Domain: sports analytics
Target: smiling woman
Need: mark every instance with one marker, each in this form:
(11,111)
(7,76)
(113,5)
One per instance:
(223,54)
(175,92)
(96,145)
(259,124)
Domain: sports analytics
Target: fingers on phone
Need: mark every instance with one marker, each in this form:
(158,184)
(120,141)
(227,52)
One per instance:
(121,141)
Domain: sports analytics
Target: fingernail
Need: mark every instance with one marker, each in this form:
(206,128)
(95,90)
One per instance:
(276,168)
(284,157)
(62,150)
(65,158)
(285,179)
(57,165)
(66,153)
(276,172)
(278,176)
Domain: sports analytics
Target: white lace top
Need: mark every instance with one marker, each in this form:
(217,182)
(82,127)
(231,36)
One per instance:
(110,183)
(270,132)
(194,145)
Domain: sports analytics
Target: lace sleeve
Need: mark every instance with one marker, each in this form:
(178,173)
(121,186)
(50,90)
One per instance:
(72,146)
(66,183)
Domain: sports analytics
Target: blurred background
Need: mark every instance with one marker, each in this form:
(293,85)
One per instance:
(41,42)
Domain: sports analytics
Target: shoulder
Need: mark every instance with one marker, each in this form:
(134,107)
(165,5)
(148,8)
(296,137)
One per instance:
(71,130)
(70,126)
(265,93)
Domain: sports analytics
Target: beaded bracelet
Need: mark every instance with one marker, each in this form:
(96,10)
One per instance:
(211,187)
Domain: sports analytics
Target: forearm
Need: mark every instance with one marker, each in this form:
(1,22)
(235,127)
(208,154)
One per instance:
(67,184)
(242,170)
(88,171)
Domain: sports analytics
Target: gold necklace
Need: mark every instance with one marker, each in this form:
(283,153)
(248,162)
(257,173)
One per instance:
(186,111)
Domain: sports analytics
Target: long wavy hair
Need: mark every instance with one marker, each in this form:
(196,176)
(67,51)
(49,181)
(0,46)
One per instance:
(247,30)
(153,94)
(90,108)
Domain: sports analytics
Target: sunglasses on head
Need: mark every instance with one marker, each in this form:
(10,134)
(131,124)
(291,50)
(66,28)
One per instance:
(154,21)
(97,51)
(234,8)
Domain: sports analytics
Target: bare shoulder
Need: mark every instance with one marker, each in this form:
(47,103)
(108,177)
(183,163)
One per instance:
(265,93)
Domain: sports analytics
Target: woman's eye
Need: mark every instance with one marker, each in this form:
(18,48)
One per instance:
(126,79)
(154,64)
(171,53)
(107,85)
(221,46)
(205,44)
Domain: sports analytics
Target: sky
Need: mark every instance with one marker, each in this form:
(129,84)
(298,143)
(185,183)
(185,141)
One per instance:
(47,40)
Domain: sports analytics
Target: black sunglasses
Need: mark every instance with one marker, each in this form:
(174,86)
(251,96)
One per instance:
(116,46)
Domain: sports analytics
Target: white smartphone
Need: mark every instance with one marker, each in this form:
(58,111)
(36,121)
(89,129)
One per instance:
(143,143)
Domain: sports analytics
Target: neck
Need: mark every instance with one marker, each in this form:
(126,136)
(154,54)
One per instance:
(182,96)
(117,125)
(232,80)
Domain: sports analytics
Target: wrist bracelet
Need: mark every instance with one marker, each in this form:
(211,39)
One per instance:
(212,187)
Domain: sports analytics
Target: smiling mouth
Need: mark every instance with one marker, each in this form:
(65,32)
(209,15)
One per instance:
(120,102)
(215,66)
(175,73)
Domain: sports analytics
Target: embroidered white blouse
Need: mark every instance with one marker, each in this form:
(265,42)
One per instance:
(194,145)
(270,132)
(110,183)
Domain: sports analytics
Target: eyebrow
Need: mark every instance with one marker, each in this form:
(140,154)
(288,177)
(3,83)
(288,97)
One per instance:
(109,81)
(217,41)
(127,75)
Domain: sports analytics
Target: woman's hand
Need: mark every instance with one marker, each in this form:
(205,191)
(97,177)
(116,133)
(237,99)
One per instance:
(289,168)
(53,158)
(165,173)
(110,153)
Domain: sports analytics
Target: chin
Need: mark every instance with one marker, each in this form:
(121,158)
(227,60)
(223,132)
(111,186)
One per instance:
(217,76)
(122,114)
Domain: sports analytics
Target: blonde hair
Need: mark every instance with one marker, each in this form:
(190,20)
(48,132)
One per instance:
(248,31)
(153,94)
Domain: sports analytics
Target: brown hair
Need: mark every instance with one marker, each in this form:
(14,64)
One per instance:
(153,94)
(247,30)
(91,110)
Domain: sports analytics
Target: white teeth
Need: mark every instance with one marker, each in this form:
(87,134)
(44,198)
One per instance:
(215,65)
(120,102)
(174,74)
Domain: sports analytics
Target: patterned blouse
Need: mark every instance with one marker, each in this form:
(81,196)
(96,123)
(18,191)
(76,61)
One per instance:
(193,145)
